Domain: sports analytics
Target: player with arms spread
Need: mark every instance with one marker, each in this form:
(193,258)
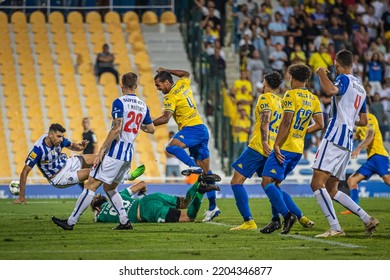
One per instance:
(54,165)
(130,114)
(153,208)
(348,109)
(299,107)
(377,157)
(193,134)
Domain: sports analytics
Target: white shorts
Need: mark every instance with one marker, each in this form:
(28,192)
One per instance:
(111,170)
(68,174)
(332,158)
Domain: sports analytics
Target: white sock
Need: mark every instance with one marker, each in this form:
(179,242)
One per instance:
(82,203)
(325,202)
(117,203)
(348,203)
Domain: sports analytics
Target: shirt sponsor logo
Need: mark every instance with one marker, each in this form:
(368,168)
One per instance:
(32,155)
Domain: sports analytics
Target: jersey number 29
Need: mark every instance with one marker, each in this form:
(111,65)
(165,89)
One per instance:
(133,118)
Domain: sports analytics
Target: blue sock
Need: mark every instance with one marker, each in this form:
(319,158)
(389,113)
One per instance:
(181,154)
(275,214)
(242,201)
(291,205)
(276,198)
(354,194)
(212,200)
(212,197)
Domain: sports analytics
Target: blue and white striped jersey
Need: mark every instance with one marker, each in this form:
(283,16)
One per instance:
(50,160)
(345,109)
(134,113)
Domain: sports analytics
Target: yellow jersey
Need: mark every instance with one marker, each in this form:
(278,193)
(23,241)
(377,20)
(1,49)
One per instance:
(304,105)
(376,146)
(266,102)
(181,103)
(246,96)
(317,60)
(242,136)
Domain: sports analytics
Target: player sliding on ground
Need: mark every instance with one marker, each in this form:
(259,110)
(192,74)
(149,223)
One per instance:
(153,208)
(193,134)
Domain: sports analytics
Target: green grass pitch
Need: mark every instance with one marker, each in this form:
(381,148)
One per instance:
(27,232)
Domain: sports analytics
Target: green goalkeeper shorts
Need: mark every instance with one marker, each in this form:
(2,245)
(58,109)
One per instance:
(155,207)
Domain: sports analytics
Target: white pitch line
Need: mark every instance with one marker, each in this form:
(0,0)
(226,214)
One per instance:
(302,237)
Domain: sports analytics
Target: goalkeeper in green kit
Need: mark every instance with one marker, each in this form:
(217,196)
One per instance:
(153,208)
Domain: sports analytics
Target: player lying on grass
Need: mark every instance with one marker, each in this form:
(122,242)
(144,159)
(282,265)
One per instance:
(60,170)
(153,208)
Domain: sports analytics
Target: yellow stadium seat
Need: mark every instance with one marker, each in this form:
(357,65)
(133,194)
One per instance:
(113,28)
(75,17)
(135,37)
(93,17)
(168,17)
(107,79)
(133,26)
(130,16)
(37,17)
(56,18)
(149,18)
(3,19)
(138,47)
(112,17)
(18,18)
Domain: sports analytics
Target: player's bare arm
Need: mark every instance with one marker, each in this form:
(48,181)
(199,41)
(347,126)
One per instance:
(22,183)
(177,73)
(264,130)
(327,86)
(78,146)
(114,132)
(163,119)
(284,129)
(363,120)
(317,125)
(148,128)
(367,141)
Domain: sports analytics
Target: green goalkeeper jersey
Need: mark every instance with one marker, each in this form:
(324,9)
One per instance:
(108,213)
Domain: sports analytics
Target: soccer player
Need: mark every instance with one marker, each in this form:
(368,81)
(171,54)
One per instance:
(377,157)
(268,114)
(153,208)
(130,114)
(54,165)
(299,107)
(193,134)
(348,109)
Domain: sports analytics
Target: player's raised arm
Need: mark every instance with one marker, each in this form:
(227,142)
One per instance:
(327,86)
(178,73)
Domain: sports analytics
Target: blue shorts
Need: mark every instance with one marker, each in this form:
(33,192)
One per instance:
(376,164)
(196,138)
(249,162)
(279,171)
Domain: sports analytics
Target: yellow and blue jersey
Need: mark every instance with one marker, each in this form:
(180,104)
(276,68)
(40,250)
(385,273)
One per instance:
(376,147)
(266,102)
(181,103)
(304,105)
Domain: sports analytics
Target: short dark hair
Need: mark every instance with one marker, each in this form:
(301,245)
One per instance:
(345,58)
(163,76)
(299,72)
(54,127)
(129,80)
(97,201)
(273,79)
